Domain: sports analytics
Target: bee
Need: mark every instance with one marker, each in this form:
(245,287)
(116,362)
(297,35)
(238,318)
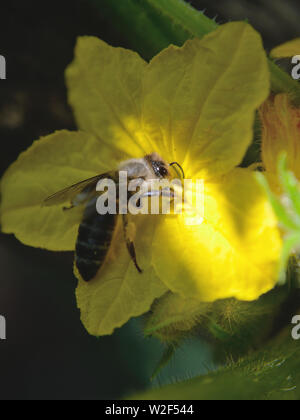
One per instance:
(96,231)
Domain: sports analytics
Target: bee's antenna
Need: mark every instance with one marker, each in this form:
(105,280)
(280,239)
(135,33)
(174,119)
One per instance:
(176,163)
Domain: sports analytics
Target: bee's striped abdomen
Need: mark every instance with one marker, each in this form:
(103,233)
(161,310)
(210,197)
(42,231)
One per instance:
(93,241)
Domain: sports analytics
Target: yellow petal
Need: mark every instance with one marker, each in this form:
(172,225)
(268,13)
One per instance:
(119,291)
(288,49)
(280,132)
(49,165)
(104,86)
(199,100)
(233,253)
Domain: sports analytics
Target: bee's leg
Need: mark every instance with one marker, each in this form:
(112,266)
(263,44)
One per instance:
(161,193)
(130,244)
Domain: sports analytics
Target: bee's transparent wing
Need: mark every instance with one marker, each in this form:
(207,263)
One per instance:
(70,193)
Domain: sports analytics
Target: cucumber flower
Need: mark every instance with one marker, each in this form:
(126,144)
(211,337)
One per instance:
(194,105)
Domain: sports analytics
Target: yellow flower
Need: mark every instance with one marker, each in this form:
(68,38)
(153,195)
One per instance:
(288,49)
(281,158)
(280,133)
(194,105)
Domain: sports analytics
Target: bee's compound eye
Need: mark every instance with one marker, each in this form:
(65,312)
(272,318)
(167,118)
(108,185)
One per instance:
(163,171)
(160,169)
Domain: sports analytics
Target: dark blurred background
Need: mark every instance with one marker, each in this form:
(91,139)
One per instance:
(48,354)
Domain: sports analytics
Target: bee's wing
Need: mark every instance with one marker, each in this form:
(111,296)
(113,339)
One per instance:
(70,193)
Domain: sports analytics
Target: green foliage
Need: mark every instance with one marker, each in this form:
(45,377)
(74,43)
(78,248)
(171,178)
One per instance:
(237,327)
(184,16)
(152,25)
(270,374)
(151,32)
(234,326)
(283,82)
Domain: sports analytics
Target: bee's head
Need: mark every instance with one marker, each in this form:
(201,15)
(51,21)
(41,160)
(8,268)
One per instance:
(159,167)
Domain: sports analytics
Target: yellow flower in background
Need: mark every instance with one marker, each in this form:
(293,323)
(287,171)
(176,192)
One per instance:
(288,49)
(280,133)
(281,159)
(195,105)
(281,125)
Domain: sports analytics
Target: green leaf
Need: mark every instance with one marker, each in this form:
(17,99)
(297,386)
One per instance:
(291,186)
(284,218)
(270,374)
(152,32)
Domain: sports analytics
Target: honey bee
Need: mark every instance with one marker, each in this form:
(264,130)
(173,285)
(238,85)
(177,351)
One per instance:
(96,231)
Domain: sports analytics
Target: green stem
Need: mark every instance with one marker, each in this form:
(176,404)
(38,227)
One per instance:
(182,14)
